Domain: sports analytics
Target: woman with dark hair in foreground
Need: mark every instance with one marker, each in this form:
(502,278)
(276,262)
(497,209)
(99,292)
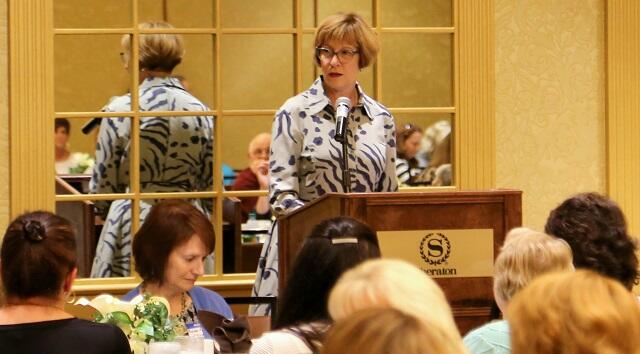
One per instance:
(333,247)
(38,267)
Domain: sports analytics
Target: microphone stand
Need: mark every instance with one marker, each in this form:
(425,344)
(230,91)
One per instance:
(341,137)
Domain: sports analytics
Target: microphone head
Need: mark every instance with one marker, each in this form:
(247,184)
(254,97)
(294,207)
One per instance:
(343,101)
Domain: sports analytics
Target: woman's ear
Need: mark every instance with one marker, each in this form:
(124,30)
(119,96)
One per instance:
(68,280)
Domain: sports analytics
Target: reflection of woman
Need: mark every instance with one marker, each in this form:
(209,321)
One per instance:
(175,152)
(306,160)
(38,260)
(170,249)
(408,168)
(333,247)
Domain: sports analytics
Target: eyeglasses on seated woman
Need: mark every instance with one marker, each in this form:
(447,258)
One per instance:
(38,266)
(169,250)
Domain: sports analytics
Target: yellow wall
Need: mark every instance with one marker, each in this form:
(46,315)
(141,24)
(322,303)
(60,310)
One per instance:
(550,101)
(4,118)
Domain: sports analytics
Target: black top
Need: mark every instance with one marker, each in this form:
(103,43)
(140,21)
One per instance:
(63,337)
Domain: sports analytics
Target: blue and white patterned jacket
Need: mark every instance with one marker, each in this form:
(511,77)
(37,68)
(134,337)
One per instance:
(305,158)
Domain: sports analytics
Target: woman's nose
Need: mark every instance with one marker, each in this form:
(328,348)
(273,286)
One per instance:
(334,60)
(199,268)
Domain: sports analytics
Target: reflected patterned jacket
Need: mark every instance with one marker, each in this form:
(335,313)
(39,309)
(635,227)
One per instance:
(305,160)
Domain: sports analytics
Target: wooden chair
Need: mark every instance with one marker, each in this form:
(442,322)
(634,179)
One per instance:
(81,214)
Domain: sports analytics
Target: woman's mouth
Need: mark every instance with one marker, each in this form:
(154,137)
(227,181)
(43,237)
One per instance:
(335,74)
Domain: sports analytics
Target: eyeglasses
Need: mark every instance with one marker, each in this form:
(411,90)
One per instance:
(344,55)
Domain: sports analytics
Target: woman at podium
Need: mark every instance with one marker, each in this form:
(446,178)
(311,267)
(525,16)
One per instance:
(306,151)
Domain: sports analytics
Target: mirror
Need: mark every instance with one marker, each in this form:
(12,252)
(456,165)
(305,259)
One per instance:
(257,74)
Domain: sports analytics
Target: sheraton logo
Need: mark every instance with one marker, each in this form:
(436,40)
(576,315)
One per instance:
(435,248)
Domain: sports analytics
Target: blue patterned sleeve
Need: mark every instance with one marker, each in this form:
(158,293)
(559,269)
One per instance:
(286,145)
(111,169)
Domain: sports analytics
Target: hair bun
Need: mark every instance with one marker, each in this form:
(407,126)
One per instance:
(34,231)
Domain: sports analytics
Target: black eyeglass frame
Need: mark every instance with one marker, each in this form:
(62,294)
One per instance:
(344,55)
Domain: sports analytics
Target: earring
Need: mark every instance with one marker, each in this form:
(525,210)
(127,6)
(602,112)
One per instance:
(71,297)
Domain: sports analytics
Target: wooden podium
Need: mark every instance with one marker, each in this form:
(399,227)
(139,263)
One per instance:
(471,298)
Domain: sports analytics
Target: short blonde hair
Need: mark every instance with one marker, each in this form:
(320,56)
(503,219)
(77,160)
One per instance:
(574,312)
(349,27)
(388,283)
(161,52)
(382,331)
(525,255)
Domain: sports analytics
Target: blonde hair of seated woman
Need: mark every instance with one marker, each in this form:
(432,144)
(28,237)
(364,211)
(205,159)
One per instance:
(396,284)
(579,312)
(382,331)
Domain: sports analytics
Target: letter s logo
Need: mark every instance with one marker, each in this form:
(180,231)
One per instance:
(435,248)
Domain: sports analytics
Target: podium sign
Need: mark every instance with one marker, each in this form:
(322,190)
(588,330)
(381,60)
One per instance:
(442,253)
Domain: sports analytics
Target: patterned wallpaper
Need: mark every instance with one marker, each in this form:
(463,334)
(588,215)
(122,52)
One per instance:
(4,118)
(550,101)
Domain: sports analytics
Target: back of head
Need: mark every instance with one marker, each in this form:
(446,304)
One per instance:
(334,246)
(595,228)
(38,252)
(388,283)
(158,51)
(170,223)
(525,255)
(574,312)
(382,331)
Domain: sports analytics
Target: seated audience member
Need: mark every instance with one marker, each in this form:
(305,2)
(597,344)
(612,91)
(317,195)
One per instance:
(433,136)
(334,246)
(578,312)
(67,162)
(525,255)
(388,283)
(381,331)
(169,250)
(38,259)
(408,167)
(595,228)
(256,176)
(439,172)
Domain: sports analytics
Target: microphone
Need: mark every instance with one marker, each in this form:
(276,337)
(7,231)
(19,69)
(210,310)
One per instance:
(95,122)
(90,125)
(343,105)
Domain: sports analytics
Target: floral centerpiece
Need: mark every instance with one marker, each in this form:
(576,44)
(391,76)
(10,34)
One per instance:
(81,163)
(144,319)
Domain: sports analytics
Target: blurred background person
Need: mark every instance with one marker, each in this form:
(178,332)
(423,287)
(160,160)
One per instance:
(306,160)
(578,312)
(170,249)
(396,284)
(432,137)
(256,176)
(175,152)
(381,331)
(595,228)
(408,166)
(66,161)
(38,267)
(525,255)
(334,246)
